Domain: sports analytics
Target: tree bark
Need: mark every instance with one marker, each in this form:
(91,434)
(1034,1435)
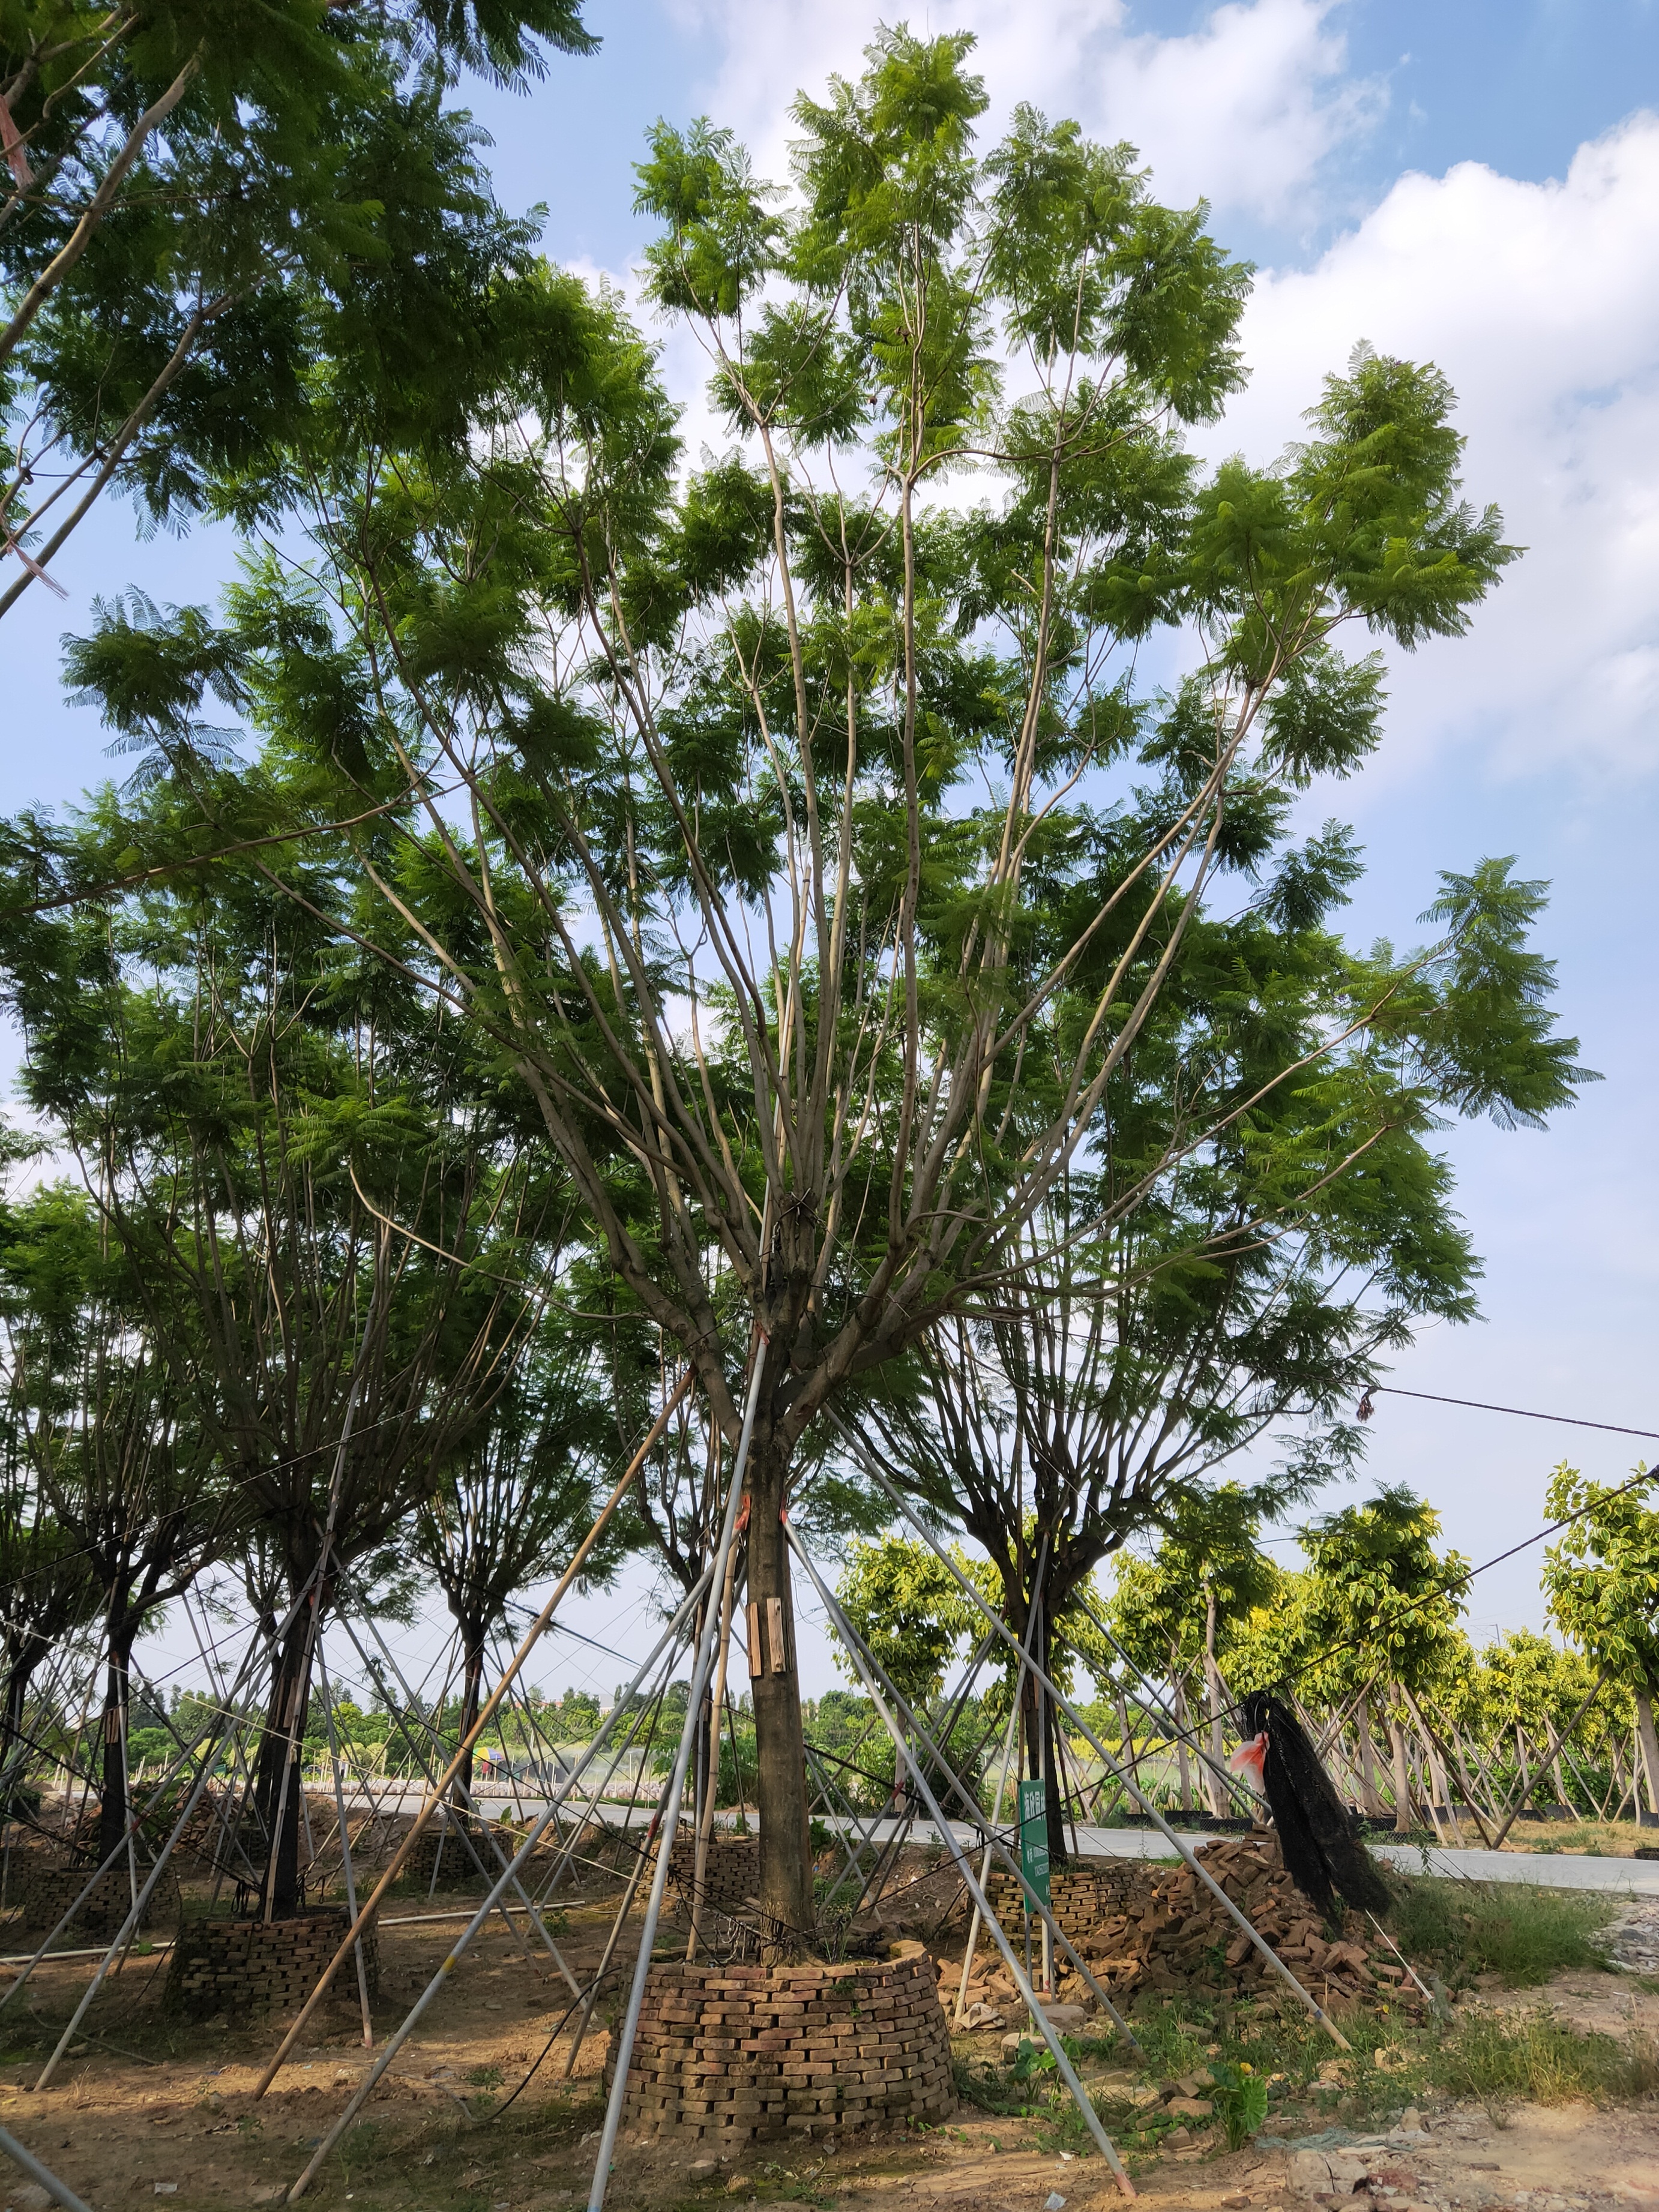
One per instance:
(19,1670)
(277,1785)
(1213,1688)
(1525,1798)
(1183,1721)
(1043,1750)
(472,1633)
(1650,1741)
(1371,1796)
(1053,1776)
(118,1692)
(1131,1749)
(786,1860)
(1403,1779)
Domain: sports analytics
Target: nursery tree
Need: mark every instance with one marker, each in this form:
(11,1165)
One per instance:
(199,201)
(1601,1578)
(121,1455)
(1379,1610)
(795,839)
(52,1596)
(315,1223)
(511,1506)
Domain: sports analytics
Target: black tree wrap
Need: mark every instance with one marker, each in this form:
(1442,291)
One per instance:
(1323,1854)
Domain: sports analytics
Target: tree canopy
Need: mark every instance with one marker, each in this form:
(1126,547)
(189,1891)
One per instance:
(894,986)
(205,202)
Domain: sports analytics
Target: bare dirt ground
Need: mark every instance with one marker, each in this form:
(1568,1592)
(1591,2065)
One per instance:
(156,2108)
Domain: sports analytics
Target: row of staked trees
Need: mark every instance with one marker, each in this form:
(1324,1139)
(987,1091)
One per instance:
(1367,1634)
(775,871)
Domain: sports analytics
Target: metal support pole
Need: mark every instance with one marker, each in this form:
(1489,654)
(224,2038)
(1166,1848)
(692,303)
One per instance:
(130,1926)
(485,1713)
(638,1725)
(1236,1783)
(624,2052)
(615,1936)
(99,1872)
(996,1814)
(59,2191)
(395,2043)
(1067,2073)
(462,1830)
(345,1845)
(1052,1930)
(1269,1953)
(700,1870)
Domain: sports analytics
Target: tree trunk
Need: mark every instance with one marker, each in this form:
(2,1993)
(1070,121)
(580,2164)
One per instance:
(1370,1797)
(1045,1750)
(1131,1757)
(113,1806)
(1650,1739)
(1440,1785)
(786,1860)
(1526,1771)
(472,1635)
(19,1669)
(1054,1776)
(1213,1688)
(277,1784)
(1183,1721)
(1403,1779)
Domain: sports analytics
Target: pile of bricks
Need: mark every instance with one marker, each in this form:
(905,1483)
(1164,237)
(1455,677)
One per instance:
(234,1966)
(1081,1893)
(724,2054)
(1171,1935)
(731,1875)
(53,1889)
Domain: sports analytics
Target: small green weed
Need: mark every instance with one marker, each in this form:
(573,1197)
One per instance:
(485,2077)
(363,2144)
(1526,1935)
(1541,2059)
(1240,2097)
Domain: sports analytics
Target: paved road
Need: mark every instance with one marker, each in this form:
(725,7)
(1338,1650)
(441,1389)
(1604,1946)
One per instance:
(1547,1869)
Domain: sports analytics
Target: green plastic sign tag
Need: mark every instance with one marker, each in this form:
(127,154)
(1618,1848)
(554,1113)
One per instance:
(1034,1836)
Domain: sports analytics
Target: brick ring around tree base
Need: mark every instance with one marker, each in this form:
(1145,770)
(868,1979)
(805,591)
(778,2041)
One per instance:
(239,1966)
(728,2054)
(51,1890)
(731,1875)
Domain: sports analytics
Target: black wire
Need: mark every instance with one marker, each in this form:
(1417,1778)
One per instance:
(496,2111)
(1522,1412)
(1191,1735)
(276,1467)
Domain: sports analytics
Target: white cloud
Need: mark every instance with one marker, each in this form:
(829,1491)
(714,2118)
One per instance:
(1244,110)
(1540,302)
(1539,299)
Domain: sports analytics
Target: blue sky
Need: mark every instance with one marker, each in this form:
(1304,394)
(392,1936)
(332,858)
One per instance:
(1477,184)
